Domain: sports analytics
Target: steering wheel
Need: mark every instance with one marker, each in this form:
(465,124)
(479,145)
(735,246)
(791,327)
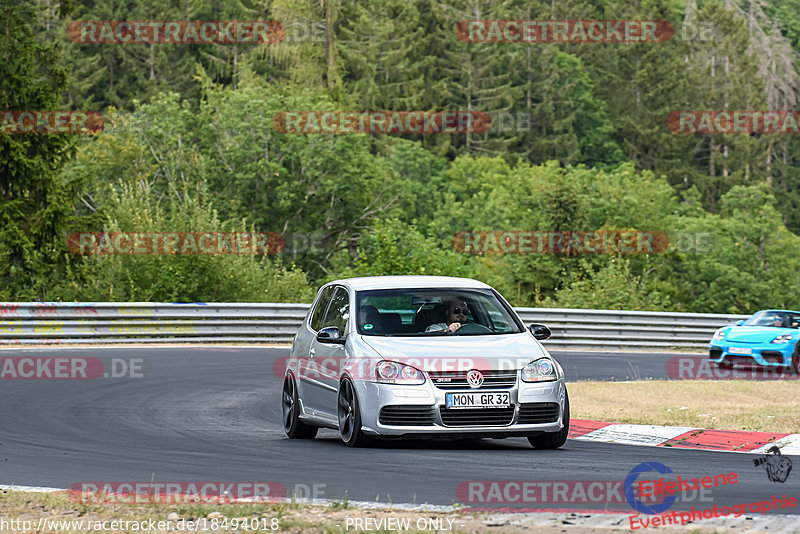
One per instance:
(472,328)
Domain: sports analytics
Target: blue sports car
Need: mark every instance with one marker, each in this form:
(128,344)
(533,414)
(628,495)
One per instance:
(769,338)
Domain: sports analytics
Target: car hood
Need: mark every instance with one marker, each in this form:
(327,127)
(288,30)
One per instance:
(449,353)
(756,334)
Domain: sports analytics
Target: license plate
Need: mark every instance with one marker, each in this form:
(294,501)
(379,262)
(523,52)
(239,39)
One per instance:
(463,401)
(740,350)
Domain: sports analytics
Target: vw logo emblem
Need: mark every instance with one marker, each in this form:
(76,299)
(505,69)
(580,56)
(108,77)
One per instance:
(474,379)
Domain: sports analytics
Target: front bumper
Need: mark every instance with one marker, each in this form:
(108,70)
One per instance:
(777,355)
(428,398)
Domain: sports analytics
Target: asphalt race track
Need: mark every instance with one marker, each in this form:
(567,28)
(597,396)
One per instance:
(213,414)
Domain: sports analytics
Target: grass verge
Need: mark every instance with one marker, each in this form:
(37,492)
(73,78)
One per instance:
(766,406)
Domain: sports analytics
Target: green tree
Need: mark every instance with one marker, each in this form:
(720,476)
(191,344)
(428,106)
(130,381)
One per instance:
(315,183)
(142,182)
(614,287)
(395,248)
(384,47)
(35,201)
(747,260)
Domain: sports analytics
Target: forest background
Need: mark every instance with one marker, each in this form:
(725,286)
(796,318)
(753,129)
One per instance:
(189,145)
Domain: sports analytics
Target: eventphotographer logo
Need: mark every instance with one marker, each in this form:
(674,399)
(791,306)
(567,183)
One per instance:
(777,467)
(672,489)
(630,484)
(694,514)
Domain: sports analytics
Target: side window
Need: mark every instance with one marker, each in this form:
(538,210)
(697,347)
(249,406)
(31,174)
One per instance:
(338,311)
(319,311)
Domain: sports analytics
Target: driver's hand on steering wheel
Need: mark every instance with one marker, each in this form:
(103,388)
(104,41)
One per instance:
(454,326)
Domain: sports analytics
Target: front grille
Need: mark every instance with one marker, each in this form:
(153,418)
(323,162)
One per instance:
(734,359)
(538,412)
(714,353)
(477,416)
(406,415)
(772,356)
(449,380)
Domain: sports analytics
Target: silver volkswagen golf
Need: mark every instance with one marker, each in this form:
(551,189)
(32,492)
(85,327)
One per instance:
(421,356)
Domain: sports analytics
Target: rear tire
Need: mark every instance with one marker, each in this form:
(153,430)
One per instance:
(553,440)
(796,359)
(292,424)
(350,416)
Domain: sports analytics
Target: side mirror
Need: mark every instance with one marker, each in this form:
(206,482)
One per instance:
(330,334)
(739,322)
(540,331)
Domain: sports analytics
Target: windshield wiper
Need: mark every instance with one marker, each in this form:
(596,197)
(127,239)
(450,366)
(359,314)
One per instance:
(486,333)
(420,334)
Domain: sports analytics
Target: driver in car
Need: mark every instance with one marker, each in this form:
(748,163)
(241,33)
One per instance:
(455,316)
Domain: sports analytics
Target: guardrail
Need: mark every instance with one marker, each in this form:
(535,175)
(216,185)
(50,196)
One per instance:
(619,329)
(146,322)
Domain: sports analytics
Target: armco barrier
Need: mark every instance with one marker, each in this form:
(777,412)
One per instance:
(146,322)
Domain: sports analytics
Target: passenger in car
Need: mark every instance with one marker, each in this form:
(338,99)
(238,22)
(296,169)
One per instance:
(455,316)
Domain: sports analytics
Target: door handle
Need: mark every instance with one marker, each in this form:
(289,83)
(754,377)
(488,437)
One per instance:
(311,353)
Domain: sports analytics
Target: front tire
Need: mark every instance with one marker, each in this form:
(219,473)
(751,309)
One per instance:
(553,440)
(290,408)
(350,416)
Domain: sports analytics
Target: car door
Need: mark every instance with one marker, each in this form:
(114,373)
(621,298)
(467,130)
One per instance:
(330,357)
(305,349)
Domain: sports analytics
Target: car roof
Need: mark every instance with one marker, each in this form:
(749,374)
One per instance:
(405,282)
(780,311)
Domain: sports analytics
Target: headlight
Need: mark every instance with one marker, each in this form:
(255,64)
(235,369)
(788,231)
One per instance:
(783,338)
(541,370)
(719,335)
(397,373)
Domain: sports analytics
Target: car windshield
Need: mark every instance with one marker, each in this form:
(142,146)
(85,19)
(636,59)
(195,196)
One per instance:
(777,319)
(430,312)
